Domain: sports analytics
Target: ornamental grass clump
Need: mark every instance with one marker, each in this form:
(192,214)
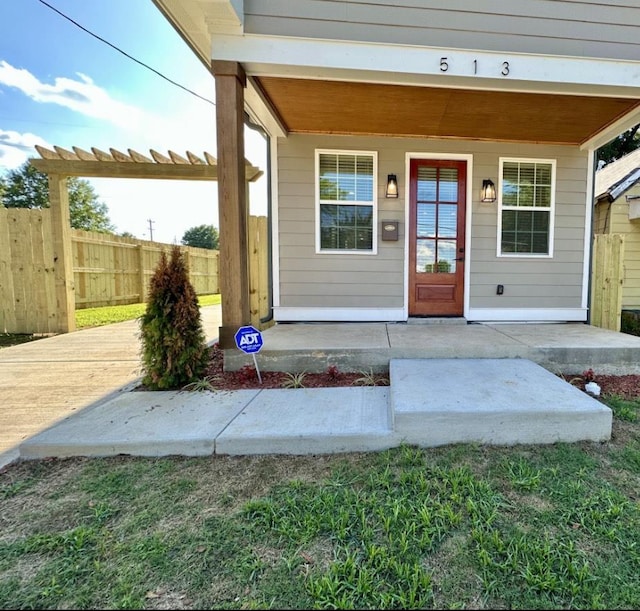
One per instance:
(174,348)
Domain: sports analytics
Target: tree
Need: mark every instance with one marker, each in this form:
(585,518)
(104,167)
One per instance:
(625,143)
(27,187)
(202,236)
(174,348)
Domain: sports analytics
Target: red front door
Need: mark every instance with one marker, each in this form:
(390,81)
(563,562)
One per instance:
(436,237)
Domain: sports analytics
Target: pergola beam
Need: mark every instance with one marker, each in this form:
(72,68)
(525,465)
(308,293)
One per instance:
(232,181)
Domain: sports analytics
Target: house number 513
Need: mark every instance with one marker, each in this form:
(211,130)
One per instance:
(444,66)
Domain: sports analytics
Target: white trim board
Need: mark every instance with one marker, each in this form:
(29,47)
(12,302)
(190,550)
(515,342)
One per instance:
(275,228)
(469,211)
(303,314)
(401,63)
(527,315)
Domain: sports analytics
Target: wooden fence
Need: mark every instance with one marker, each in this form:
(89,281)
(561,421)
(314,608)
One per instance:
(107,270)
(112,270)
(607,278)
(27,282)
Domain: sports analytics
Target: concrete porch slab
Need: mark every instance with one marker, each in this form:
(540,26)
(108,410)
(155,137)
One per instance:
(311,421)
(142,424)
(575,347)
(493,401)
(445,341)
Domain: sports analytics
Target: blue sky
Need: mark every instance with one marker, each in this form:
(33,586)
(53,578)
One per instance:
(61,86)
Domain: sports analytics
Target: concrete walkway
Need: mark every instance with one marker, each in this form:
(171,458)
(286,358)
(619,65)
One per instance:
(47,380)
(69,395)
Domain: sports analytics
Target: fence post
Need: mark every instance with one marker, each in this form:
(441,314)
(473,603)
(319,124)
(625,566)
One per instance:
(61,231)
(142,288)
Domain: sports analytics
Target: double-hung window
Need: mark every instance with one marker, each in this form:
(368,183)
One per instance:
(526,203)
(346,201)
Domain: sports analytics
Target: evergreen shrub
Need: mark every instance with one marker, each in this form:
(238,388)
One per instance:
(174,348)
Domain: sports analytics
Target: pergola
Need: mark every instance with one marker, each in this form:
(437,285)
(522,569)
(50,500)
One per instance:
(60,163)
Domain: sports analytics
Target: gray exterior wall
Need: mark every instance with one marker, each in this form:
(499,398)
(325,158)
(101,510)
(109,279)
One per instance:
(582,28)
(308,279)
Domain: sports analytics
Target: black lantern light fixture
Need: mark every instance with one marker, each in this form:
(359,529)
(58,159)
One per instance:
(392,186)
(488,191)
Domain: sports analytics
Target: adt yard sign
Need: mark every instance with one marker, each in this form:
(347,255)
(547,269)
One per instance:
(248,339)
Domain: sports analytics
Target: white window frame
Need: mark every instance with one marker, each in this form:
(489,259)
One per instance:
(373,203)
(551,208)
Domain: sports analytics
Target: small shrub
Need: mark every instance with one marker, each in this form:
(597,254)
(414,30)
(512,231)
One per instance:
(174,348)
(368,378)
(333,372)
(201,385)
(294,380)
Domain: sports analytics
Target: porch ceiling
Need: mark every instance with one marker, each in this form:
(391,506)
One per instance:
(340,107)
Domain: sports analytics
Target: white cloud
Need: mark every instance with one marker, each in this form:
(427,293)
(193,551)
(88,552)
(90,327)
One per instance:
(81,95)
(16,148)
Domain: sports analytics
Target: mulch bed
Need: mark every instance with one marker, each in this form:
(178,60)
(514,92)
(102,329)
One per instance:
(247,376)
(626,386)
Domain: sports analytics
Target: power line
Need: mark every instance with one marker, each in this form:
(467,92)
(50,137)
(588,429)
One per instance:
(106,42)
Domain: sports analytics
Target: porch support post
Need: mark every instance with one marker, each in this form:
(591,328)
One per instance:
(62,253)
(230,82)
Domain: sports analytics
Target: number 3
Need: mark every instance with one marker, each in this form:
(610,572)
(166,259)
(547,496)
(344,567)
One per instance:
(505,68)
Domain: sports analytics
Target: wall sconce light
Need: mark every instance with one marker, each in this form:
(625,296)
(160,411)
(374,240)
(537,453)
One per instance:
(392,186)
(488,191)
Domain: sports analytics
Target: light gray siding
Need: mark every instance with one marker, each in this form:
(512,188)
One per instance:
(315,280)
(582,28)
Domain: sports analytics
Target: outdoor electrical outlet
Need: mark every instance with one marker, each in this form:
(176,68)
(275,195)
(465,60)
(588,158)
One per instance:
(500,289)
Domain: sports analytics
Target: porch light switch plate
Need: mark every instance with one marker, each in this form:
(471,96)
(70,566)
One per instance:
(390,230)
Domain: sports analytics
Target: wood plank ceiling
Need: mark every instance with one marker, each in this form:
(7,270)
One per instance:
(338,107)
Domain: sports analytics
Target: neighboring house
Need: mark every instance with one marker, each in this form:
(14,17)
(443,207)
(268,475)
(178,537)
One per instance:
(617,211)
(482,117)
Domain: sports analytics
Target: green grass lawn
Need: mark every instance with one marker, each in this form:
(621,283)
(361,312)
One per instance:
(95,317)
(455,527)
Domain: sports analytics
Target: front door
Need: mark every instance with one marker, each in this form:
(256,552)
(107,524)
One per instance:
(436,237)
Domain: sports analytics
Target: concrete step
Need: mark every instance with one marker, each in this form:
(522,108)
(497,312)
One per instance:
(492,401)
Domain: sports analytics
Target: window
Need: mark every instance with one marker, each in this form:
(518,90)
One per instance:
(526,200)
(346,210)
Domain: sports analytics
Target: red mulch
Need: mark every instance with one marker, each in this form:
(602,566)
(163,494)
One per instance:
(626,386)
(247,377)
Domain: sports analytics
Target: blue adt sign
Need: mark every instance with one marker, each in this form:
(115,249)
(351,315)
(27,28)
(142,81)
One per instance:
(248,339)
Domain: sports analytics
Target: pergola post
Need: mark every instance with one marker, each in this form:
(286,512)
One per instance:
(230,82)
(62,253)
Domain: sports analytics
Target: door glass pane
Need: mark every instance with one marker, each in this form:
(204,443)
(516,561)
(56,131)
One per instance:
(426,226)
(425,256)
(446,256)
(448,185)
(427,184)
(447,220)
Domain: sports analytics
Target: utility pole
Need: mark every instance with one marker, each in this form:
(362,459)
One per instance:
(150,229)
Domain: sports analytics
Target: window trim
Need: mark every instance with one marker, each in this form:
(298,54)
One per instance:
(551,208)
(373,203)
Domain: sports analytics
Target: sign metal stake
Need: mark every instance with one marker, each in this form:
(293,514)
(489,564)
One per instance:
(255,362)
